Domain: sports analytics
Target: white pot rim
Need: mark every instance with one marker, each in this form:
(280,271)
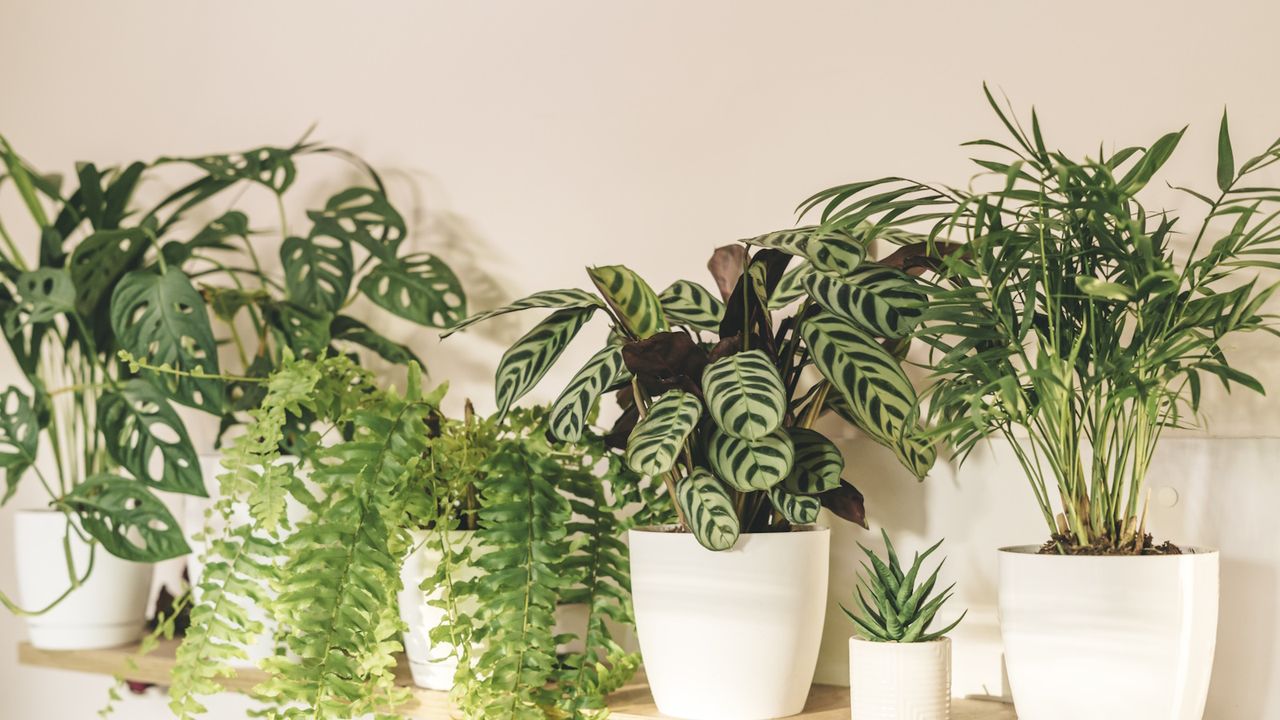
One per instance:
(944,638)
(1035,550)
(675,530)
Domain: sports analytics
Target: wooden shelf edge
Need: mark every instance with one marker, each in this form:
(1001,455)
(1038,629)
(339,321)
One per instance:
(632,702)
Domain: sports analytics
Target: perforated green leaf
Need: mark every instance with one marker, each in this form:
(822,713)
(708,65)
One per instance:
(570,410)
(525,362)
(127,519)
(631,298)
(363,216)
(145,436)
(420,288)
(317,270)
(99,262)
(161,317)
(797,509)
(688,303)
(352,330)
(818,463)
(43,295)
(708,510)
(558,299)
(655,442)
(836,252)
(881,300)
(19,438)
(751,464)
(745,394)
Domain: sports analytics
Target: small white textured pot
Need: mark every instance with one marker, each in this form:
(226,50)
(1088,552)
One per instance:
(900,681)
(1109,637)
(730,635)
(109,610)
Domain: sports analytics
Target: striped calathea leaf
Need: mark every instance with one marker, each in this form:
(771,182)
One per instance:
(836,251)
(688,303)
(708,510)
(570,410)
(791,287)
(914,450)
(745,394)
(525,362)
(796,509)
(879,397)
(881,300)
(635,303)
(557,299)
(748,465)
(655,443)
(818,463)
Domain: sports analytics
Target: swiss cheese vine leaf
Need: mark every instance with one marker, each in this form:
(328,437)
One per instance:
(127,519)
(144,434)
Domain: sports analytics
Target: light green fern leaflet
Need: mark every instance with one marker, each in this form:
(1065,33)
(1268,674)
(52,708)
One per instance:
(569,413)
(879,398)
(688,303)
(656,441)
(745,394)
(708,510)
(558,299)
(797,509)
(881,300)
(748,465)
(631,298)
(837,252)
(791,287)
(525,362)
(818,464)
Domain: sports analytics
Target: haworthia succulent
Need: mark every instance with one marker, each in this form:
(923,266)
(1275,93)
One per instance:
(524,364)
(631,298)
(881,300)
(558,299)
(688,303)
(879,397)
(655,443)
(745,394)
(818,463)
(836,252)
(797,509)
(751,464)
(791,287)
(569,413)
(708,510)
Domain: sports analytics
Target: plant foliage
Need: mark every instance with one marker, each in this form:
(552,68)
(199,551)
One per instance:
(897,606)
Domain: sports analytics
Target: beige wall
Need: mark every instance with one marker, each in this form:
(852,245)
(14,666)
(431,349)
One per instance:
(534,138)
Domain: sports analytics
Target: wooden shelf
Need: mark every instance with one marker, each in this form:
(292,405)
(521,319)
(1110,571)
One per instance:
(633,702)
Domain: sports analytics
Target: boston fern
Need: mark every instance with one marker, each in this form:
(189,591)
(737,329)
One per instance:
(1068,317)
(899,609)
(725,421)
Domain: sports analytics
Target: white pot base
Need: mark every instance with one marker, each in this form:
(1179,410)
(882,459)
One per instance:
(900,681)
(83,637)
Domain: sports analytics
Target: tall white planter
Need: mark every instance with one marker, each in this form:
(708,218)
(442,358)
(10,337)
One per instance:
(1109,638)
(900,681)
(730,635)
(109,610)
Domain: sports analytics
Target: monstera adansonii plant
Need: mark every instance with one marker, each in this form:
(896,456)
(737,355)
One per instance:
(159,279)
(719,395)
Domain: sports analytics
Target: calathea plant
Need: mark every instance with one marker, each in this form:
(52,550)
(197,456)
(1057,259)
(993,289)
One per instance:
(1071,319)
(715,394)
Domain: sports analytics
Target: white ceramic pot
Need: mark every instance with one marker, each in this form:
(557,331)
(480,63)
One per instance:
(433,665)
(109,610)
(1109,637)
(730,635)
(900,681)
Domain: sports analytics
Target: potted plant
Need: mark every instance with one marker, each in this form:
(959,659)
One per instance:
(898,668)
(718,407)
(1070,326)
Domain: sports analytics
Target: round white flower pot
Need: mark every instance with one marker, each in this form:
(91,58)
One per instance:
(900,681)
(730,635)
(1109,637)
(109,610)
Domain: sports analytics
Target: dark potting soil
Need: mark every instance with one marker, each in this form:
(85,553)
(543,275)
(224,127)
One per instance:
(1063,545)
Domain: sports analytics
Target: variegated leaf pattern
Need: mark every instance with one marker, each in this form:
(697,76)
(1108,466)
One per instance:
(631,297)
(708,510)
(745,394)
(656,440)
(879,396)
(748,465)
(881,300)
(817,466)
(837,252)
(525,362)
(797,509)
(569,413)
(914,451)
(688,303)
(791,287)
(559,299)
